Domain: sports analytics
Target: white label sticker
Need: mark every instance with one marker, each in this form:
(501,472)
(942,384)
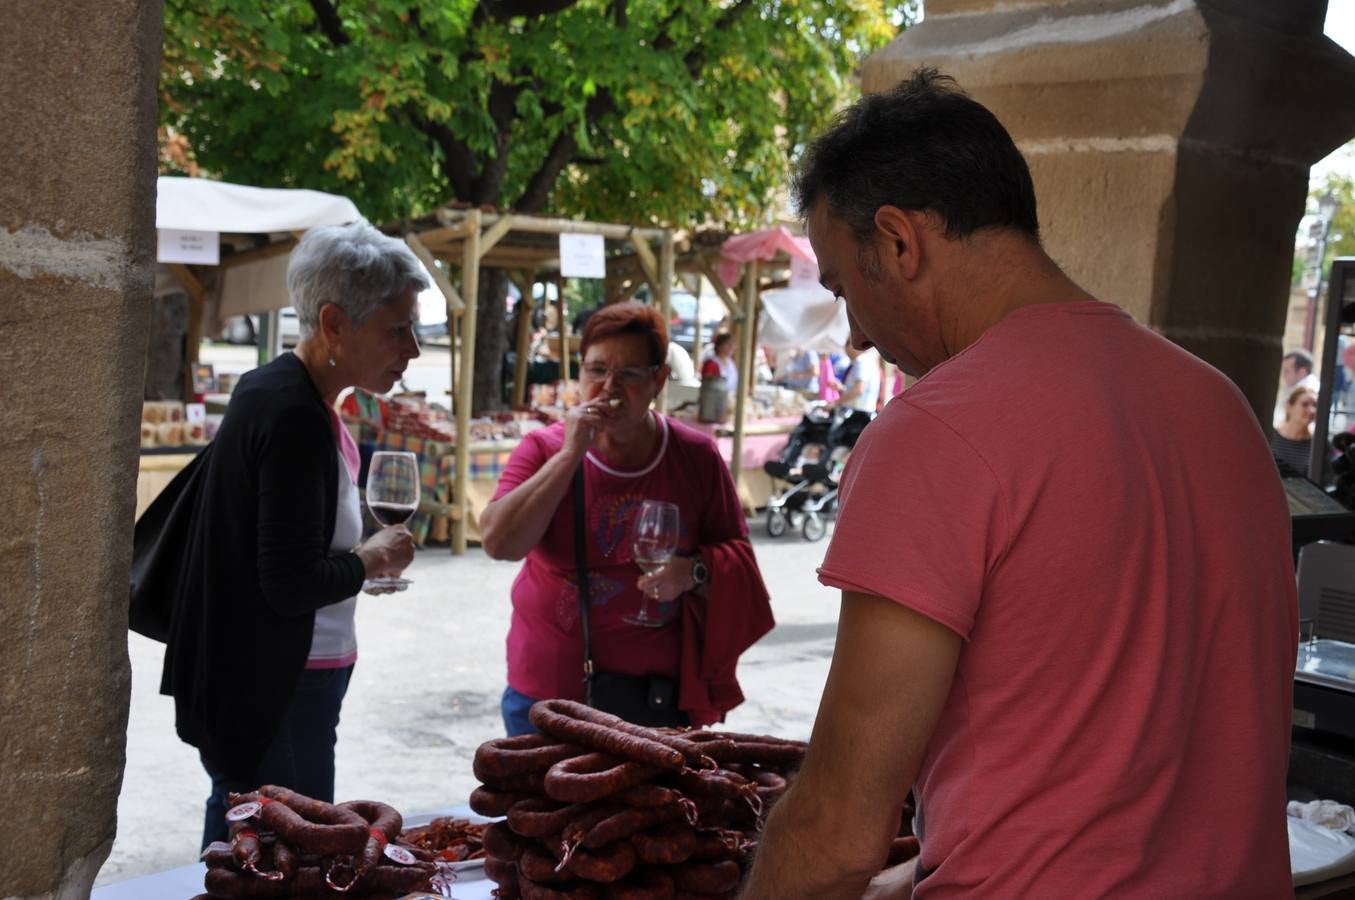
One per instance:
(399,854)
(1305,719)
(243,811)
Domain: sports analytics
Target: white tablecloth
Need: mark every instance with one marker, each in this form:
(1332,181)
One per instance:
(186,881)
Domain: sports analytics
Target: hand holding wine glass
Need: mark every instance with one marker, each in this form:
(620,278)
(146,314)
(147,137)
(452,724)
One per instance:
(393,498)
(654,539)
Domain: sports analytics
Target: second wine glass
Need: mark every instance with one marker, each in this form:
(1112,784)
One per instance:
(393,498)
(654,539)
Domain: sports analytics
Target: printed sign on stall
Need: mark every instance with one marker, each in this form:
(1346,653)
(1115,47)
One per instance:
(178,246)
(583,256)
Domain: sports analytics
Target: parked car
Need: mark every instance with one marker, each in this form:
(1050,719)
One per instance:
(682,325)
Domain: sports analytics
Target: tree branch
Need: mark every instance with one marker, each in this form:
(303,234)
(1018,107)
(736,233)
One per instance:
(330,23)
(562,153)
(458,163)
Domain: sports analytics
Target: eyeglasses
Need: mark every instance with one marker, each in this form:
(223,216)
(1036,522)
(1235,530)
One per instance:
(626,375)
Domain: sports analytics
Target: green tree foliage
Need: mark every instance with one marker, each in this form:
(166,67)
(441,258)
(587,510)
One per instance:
(1341,234)
(666,111)
(679,112)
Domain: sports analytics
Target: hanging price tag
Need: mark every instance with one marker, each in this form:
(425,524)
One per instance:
(243,811)
(396,853)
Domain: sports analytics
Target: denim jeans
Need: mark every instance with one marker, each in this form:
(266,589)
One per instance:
(301,756)
(515,707)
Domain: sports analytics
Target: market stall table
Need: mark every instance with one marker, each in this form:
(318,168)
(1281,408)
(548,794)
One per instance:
(187,881)
(763,441)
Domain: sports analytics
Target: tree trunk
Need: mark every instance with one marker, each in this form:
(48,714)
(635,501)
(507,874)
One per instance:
(490,342)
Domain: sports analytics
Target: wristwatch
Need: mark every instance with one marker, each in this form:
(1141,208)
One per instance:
(700,574)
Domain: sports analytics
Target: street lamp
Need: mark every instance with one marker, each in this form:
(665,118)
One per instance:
(1327,205)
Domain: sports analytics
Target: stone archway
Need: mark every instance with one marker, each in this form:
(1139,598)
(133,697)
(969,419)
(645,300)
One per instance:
(1170,144)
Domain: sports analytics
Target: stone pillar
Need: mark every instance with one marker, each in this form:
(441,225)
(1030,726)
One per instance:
(77,217)
(1169,141)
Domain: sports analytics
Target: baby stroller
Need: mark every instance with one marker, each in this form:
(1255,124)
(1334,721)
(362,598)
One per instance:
(812,463)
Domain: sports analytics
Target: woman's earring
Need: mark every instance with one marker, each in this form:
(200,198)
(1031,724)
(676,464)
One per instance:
(332,363)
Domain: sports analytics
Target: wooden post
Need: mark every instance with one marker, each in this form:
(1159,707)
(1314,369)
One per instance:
(696,329)
(563,328)
(745,363)
(524,338)
(664,289)
(470,290)
(197,304)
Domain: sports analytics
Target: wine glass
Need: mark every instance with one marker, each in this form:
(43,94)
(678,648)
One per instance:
(393,498)
(654,538)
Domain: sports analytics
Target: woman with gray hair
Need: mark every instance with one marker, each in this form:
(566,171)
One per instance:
(262,643)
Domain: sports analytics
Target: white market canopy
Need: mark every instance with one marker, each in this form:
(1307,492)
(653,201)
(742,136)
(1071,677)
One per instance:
(200,204)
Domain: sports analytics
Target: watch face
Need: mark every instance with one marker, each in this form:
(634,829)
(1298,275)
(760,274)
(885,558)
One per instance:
(699,572)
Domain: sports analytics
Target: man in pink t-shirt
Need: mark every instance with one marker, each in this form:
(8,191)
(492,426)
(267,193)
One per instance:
(1065,551)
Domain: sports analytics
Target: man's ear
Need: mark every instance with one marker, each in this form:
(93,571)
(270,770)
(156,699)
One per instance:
(897,239)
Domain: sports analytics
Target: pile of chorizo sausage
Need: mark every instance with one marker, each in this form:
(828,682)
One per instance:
(284,844)
(599,809)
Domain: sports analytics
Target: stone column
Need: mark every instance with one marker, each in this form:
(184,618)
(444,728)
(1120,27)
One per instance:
(1169,141)
(77,217)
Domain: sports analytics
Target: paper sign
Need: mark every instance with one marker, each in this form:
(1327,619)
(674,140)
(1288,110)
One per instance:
(201,247)
(583,256)
(195,413)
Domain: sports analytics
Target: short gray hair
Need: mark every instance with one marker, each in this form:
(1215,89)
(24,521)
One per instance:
(355,267)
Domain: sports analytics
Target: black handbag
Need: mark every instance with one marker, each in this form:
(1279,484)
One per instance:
(649,700)
(159,545)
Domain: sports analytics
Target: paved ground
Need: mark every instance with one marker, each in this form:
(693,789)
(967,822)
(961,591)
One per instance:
(426,693)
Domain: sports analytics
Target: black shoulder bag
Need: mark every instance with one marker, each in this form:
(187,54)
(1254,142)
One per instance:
(159,545)
(643,700)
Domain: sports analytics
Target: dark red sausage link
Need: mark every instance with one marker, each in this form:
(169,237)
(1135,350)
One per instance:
(384,824)
(308,835)
(502,844)
(577,723)
(717,844)
(667,845)
(658,795)
(721,783)
(219,854)
(583,823)
(531,783)
(285,861)
(594,776)
(310,880)
(707,878)
(531,890)
(540,817)
(309,808)
(246,848)
(628,822)
(487,802)
(503,872)
(537,865)
(642,884)
(524,754)
(902,849)
(603,866)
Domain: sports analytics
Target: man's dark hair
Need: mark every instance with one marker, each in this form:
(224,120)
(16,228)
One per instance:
(1302,359)
(923,146)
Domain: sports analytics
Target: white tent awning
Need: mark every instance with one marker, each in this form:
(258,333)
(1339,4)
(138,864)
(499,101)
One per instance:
(200,204)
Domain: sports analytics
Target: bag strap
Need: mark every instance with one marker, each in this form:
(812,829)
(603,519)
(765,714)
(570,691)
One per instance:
(581,569)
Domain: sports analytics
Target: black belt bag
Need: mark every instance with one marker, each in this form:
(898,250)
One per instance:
(641,699)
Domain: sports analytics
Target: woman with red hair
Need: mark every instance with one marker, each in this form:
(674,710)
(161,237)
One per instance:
(712,604)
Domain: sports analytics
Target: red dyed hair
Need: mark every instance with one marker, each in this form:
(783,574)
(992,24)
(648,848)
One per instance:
(628,318)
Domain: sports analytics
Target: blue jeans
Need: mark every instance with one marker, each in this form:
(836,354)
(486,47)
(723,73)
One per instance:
(301,756)
(515,707)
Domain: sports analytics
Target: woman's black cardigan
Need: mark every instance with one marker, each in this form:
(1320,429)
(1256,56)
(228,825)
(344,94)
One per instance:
(256,567)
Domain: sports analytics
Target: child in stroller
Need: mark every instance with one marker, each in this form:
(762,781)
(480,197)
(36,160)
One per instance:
(810,466)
